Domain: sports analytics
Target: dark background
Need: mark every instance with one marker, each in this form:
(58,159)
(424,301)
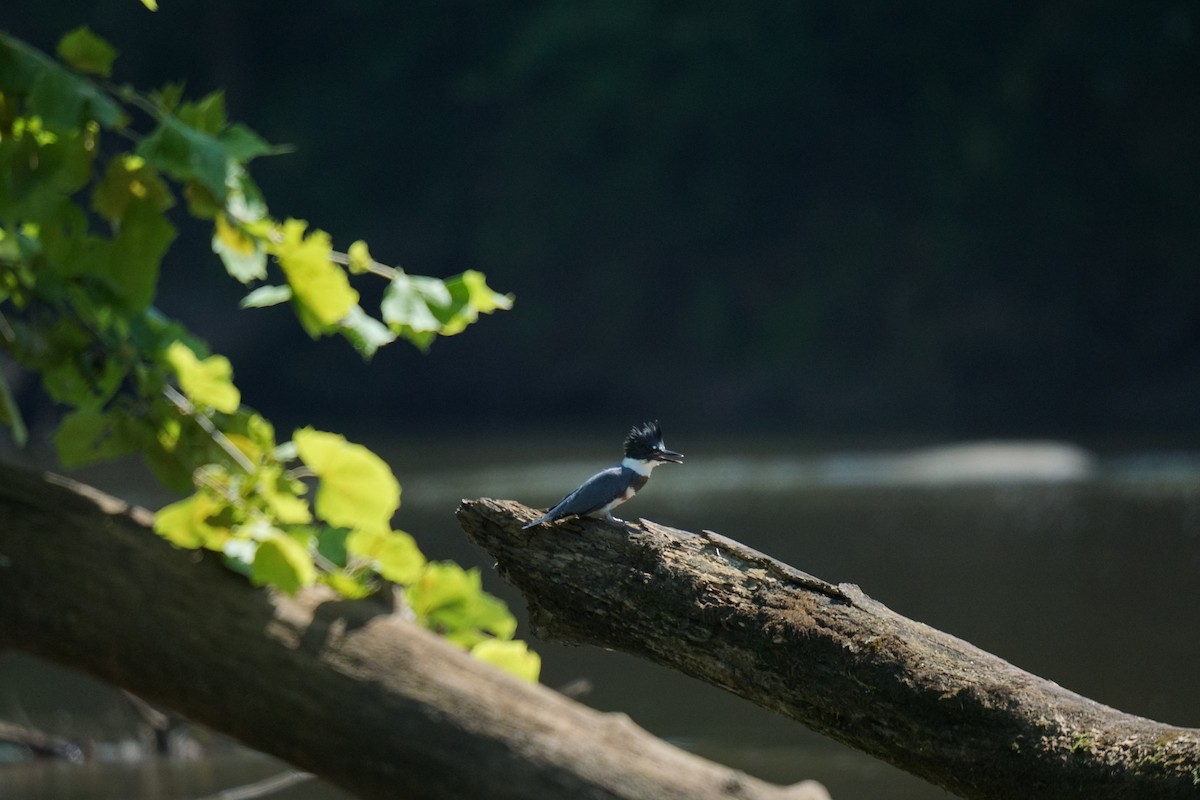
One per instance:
(955,219)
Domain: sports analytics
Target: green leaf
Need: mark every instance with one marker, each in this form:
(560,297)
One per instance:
(88,435)
(393,554)
(284,563)
(243,144)
(450,599)
(321,286)
(187,154)
(349,585)
(420,308)
(128,179)
(87,52)
(277,494)
(10,414)
(280,500)
(409,300)
(206,383)
(366,333)
(514,657)
(243,255)
(357,487)
(265,296)
(135,254)
(471,297)
(62,99)
(187,522)
(206,115)
(331,544)
(481,297)
(151,4)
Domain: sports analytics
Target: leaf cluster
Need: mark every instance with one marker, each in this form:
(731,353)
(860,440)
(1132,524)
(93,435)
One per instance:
(85,200)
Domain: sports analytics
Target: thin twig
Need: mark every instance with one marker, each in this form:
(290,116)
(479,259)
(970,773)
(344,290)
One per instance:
(185,406)
(374,267)
(266,786)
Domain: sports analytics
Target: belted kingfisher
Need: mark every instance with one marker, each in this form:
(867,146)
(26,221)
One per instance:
(607,489)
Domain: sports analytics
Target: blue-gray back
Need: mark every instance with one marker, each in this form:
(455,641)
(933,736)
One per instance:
(595,493)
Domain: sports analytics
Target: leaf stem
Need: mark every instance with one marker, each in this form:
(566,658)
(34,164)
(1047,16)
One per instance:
(374,267)
(185,407)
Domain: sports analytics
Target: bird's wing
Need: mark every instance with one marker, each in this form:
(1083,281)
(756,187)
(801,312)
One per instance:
(592,495)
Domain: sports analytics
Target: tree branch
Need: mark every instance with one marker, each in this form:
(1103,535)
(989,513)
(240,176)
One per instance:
(830,657)
(350,691)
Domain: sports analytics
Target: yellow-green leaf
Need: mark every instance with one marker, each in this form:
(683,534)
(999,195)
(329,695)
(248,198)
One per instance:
(277,494)
(357,487)
(514,657)
(206,383)
(87,52)
(350,586)
(450,599)
(360,257)
(320,285)
(186,523)
(151,4)
(242,254)
(284,563)
(484,300)
(393,554)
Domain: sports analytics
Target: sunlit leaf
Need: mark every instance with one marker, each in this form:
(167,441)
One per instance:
(408,302)
(420,308)
(360,257)
(357,488)
(366,333)
(243,255)
(151,4)
(187,522)
(350,586)
(514,657)
(282,562)
(87,52)
(280,499)
(394,554)
(208,382)
(450,599)
(321,286)
(265,296)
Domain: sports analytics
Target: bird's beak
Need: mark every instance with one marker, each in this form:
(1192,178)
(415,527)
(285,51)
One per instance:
(669,455)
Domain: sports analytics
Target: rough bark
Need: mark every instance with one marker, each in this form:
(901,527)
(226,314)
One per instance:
(350,691)
(830,657)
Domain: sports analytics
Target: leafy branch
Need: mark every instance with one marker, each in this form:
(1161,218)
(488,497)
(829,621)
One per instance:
(83,233)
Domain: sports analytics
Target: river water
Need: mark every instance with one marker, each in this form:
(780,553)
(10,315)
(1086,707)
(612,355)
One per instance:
(1081,568)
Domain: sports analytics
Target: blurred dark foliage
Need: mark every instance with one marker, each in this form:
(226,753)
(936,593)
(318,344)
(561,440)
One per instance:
(963,218)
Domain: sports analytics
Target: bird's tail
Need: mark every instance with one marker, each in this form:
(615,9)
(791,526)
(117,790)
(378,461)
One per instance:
(538,521)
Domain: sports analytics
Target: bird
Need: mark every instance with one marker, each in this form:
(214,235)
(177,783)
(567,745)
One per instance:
(607,489)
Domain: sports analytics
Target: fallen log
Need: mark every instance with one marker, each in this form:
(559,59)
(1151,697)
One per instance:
(829,657)
(351,691)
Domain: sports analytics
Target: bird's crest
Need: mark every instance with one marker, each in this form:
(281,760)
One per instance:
(643,440)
